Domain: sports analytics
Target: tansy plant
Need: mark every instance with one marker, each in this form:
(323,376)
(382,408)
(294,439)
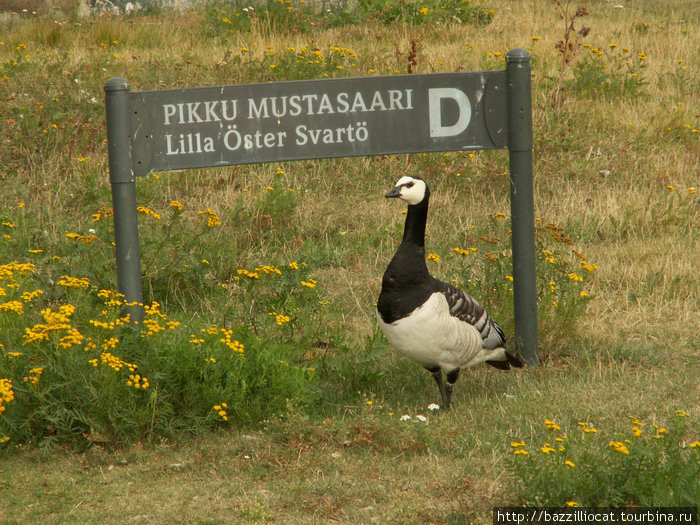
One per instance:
(75,370)
(639,463)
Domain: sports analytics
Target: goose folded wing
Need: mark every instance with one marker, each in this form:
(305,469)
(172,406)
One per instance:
(467,309)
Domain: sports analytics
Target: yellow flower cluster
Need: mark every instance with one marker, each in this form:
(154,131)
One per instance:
(212,217)
(252,275)
(546,448)
(73,282)
(280,318)
(587,428)
(148,211)
(221,411)
(110,343)
(7,271)
(517,448)
(7,394)
(112,361)
(110,325)
(12,306)
(433,257)
(28,297)
(267,269)
(34,375)
(101,214)
(619,446)
(138,382)
(234,345)
(72,338)
(311,283)
(84,239)
(551,425)
(176,205)
(466,251)
(54,321)
(111,297)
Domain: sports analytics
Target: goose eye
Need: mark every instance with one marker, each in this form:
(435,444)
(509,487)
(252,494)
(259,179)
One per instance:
(409,184)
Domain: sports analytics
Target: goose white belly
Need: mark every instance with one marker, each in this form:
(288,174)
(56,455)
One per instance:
(432,337)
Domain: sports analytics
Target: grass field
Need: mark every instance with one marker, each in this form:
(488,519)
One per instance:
(259,389)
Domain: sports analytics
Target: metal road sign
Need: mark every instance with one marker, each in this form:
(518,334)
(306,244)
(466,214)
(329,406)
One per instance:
(241,124)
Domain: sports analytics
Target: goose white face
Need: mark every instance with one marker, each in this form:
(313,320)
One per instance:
(409,189)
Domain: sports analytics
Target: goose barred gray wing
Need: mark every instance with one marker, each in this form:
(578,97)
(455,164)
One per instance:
(465,308)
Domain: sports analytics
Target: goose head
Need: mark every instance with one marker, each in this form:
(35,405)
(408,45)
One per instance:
(412,190)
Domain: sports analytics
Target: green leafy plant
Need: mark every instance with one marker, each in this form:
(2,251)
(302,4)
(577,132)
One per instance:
(609,73)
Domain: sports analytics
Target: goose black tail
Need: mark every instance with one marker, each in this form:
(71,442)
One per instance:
(511,361)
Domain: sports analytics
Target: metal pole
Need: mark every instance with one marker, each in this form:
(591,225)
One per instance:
(522,208)
(123,181)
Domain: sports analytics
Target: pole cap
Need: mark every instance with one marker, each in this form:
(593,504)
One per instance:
(116,84)
(518,55)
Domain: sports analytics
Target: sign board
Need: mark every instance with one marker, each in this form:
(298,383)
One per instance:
(241,124)
(200,127)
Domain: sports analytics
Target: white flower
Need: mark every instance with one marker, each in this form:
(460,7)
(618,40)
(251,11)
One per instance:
(433,406)
(421,418)
(405,417)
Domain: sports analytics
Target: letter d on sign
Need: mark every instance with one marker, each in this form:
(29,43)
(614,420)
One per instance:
(435,98)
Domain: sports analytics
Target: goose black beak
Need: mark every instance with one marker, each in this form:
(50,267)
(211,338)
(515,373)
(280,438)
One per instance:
(395,192)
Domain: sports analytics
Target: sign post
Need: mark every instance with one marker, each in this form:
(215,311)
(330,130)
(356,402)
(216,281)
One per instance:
(522,208)
(122,179)
(241,124)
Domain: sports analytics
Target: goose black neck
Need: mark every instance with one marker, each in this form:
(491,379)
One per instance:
(416,218)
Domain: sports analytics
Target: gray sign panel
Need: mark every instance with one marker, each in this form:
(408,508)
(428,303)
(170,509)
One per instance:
(240,124)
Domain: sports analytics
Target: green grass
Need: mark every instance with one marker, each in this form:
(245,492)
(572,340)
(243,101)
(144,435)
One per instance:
(305,424)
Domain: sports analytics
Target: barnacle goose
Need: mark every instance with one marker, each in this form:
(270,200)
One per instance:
(429,321)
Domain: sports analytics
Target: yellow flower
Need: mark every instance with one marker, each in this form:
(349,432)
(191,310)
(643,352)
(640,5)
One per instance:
(569,463)
(148,211)
(521,451)
(309,284)
(213,218)
(433,257)
(619,446)
(516,444)
(551,425)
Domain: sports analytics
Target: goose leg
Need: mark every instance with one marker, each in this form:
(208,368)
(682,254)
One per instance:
(437,375)
(444,394)
(451,380)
